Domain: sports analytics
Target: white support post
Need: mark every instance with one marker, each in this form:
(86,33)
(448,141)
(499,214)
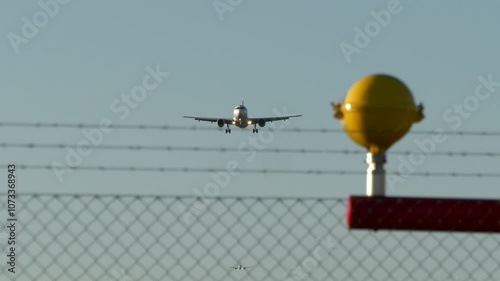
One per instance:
(375,176)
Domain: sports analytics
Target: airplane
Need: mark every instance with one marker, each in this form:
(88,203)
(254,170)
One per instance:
(240,119)
(240,267)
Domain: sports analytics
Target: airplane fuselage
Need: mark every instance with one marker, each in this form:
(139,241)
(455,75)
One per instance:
(240,117)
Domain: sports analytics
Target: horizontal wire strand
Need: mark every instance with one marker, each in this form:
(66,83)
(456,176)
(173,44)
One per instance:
(232,149)
(247,171)
(211,128)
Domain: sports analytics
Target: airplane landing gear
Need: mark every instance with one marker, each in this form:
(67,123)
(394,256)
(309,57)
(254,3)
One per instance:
(228,130)
(255,130)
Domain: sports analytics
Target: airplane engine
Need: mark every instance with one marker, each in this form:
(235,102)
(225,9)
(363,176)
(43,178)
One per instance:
(220,123)
(262,122)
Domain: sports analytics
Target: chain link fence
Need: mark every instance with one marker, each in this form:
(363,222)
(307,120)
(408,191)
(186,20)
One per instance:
(97,237)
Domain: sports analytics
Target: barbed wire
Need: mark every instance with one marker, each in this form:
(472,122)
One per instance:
(233,149)
(251,171)
(211,128)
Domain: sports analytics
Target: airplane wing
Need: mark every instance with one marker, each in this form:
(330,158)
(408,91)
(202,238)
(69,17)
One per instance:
(271,119)
(209,119)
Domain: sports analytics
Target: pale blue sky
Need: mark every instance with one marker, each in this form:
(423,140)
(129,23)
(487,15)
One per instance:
(272,53)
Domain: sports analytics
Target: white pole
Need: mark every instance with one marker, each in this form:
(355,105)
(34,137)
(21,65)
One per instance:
(375,176)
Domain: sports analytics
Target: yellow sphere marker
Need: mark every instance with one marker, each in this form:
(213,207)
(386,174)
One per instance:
(377,111)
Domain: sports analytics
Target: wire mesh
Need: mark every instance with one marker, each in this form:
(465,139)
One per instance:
(107,237)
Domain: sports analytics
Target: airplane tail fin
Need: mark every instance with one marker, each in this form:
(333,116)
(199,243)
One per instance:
(242,101)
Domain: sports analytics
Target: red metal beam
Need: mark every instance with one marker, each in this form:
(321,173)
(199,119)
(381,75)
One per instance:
(426,214)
